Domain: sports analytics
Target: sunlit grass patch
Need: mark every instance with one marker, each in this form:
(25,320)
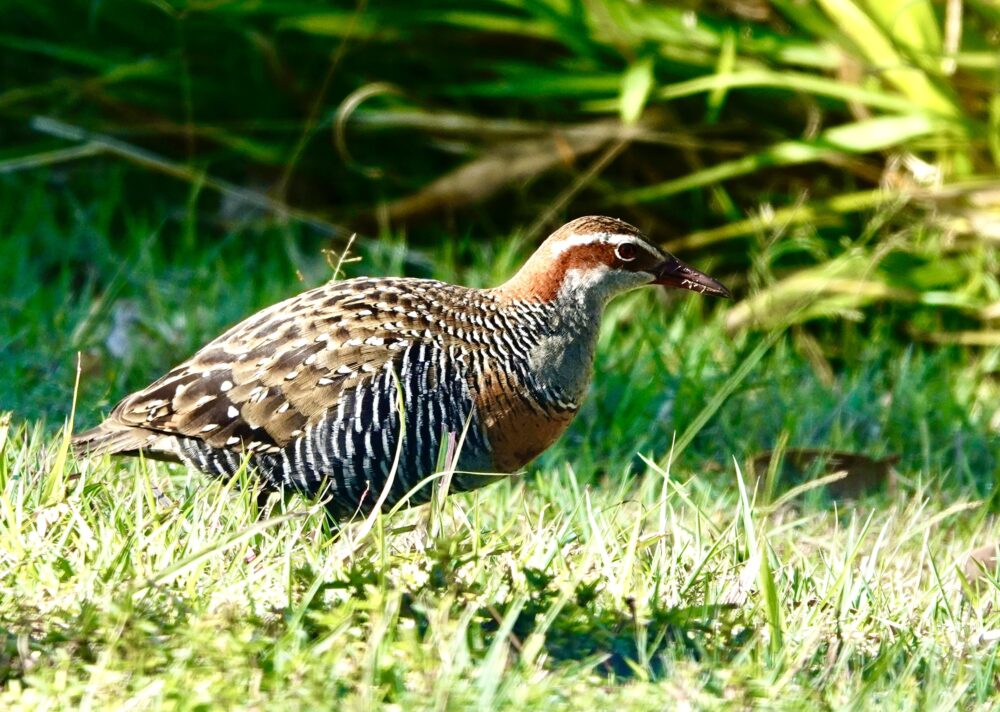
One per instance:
(140,581)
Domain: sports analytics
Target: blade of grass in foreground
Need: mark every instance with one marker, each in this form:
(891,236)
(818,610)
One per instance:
(217,547)
(760,552)
(719,397)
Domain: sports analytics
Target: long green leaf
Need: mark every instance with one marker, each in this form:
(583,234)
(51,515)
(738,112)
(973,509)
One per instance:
(636,85)
(858,137)
(861,26)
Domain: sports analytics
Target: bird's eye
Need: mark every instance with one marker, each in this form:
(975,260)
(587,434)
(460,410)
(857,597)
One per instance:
(626,252)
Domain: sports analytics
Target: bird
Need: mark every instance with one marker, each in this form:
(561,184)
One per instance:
(349,391)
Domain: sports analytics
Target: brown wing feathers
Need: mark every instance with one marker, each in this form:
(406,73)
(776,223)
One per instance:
(259,385)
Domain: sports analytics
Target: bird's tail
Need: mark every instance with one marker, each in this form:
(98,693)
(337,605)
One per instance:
(110,438)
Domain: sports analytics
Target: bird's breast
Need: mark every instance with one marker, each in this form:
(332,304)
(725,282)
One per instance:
(525,405)
(517,425)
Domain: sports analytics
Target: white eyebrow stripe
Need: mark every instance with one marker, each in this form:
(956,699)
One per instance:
(610,238)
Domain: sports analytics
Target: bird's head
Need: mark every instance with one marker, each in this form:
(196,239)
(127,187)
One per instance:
(592,259)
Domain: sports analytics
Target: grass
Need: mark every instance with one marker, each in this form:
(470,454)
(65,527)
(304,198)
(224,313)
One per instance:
(140,585)
(611,573)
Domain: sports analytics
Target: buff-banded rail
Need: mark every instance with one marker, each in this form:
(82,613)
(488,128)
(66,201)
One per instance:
(309,393)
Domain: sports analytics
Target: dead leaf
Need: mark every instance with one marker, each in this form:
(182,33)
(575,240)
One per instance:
(981,563)
(862,473)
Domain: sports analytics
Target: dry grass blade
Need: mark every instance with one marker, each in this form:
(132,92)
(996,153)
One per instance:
(504,165)
(97,143)
(839,287)
(991,312)
(649,129)
(48,158)
(985,337)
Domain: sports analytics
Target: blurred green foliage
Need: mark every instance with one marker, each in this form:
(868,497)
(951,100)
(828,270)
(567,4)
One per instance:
(765,134)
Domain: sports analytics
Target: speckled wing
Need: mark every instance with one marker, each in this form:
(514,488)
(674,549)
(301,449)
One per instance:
(262,383)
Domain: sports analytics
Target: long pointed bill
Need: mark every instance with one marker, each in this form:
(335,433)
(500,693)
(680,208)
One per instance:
(674,273)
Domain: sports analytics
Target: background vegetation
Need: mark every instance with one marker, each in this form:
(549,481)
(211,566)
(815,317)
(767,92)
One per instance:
(169,167)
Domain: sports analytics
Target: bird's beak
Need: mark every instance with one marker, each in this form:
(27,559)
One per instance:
(674,273)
